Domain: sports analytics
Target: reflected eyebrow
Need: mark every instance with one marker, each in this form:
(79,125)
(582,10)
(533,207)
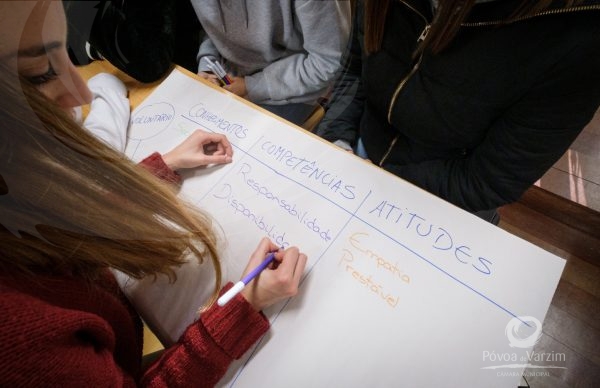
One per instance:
(34,51)
(38,51)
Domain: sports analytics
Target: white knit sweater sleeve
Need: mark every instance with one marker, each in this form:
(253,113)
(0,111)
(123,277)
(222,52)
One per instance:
(109,114)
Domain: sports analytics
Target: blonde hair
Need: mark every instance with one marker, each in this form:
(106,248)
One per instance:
(71,205)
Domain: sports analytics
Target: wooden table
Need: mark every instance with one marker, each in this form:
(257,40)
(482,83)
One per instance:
(138,91)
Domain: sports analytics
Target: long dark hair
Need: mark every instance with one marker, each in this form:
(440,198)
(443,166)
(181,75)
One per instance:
(449,16)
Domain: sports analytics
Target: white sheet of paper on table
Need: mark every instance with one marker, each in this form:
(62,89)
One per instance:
(401,288)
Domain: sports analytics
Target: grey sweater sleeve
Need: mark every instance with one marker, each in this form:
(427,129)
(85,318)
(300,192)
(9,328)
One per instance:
(207,49)
(325,26)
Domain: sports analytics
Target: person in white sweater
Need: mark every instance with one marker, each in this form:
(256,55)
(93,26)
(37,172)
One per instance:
(280,54)
(109,113)
(108,120)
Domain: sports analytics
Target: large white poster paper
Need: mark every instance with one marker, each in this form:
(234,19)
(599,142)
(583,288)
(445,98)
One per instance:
(401,288)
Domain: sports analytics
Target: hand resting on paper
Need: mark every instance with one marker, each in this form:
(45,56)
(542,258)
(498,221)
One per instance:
(278,281)
(200,149)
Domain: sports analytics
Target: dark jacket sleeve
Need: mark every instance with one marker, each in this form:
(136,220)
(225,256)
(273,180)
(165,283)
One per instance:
(524,142)
(136,36)
(342,118)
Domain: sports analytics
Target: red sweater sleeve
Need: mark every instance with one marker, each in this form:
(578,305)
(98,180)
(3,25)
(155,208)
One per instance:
(208,347)
(157,166)
(43,344)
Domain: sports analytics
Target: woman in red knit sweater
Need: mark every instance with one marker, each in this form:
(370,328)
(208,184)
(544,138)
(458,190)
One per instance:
(70,209)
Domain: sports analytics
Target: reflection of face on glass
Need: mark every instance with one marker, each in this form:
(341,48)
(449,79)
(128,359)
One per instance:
(32,40)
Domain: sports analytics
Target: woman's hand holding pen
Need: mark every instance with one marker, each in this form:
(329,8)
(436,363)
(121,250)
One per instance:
(277,282)
(200,149)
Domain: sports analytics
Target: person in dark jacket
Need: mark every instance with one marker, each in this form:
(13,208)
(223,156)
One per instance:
(472,101)
(141,38)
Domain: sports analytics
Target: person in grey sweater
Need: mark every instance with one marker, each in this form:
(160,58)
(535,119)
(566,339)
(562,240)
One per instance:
(280,54)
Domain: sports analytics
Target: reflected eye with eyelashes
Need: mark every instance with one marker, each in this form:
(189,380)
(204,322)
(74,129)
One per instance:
(43,78)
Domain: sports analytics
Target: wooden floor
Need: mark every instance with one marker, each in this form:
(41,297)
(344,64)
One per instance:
(576,176)
(571,330)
